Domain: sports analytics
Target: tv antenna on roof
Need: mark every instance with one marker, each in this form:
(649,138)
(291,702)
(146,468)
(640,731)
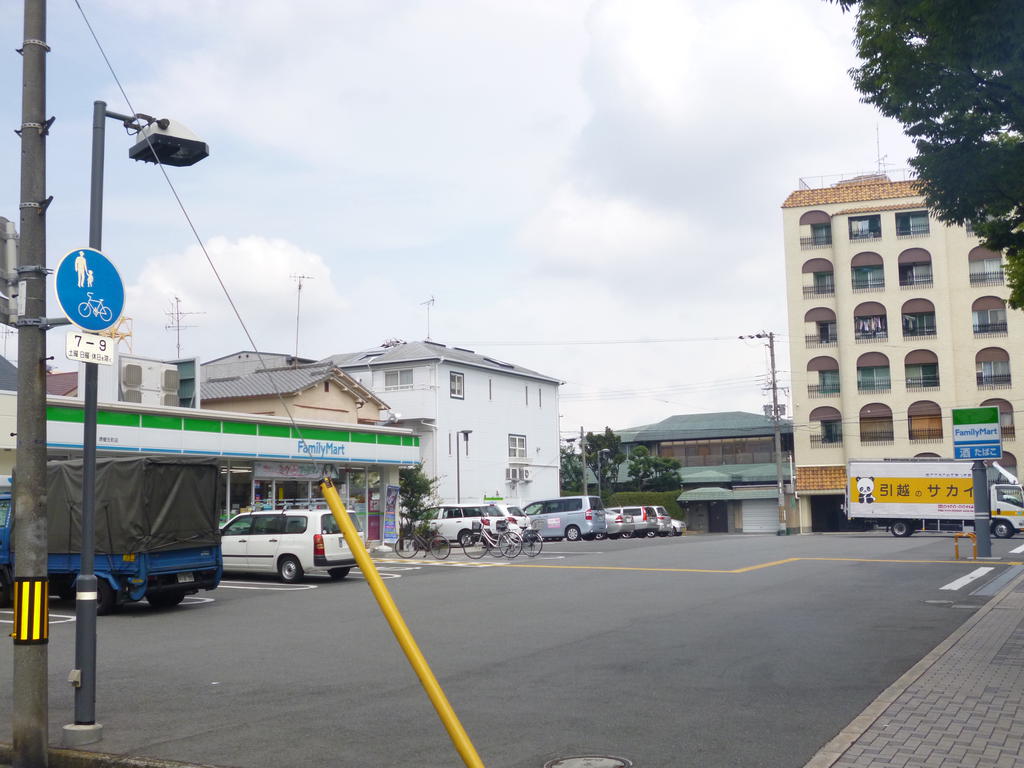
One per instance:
(428,303)
(176,325)
(298,303)
(879,157)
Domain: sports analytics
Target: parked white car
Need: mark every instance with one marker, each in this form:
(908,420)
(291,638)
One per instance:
(455,521)
(291,543)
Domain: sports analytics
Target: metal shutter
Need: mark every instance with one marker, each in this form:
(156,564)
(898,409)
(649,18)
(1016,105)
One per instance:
(760,516)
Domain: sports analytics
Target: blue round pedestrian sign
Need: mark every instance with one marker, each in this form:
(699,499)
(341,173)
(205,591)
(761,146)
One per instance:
(89,290)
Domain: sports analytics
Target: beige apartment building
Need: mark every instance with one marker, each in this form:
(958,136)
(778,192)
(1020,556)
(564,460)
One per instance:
(894,319)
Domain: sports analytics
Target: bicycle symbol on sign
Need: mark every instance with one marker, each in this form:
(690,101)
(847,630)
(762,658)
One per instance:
(95,307)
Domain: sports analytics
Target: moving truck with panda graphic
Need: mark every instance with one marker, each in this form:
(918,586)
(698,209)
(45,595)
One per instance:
(928,495)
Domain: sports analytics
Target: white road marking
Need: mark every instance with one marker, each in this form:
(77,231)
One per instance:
(268,586)
(963,581)
(382,575)
(1018,550)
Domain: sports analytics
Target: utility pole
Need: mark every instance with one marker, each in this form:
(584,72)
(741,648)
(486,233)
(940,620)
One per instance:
(30,724)
(298,305)
(175,325)
(583,460)
(776,429)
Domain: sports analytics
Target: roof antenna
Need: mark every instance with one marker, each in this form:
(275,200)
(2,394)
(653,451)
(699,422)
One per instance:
(880,158)
(298,304)
(176,325)
(428,303)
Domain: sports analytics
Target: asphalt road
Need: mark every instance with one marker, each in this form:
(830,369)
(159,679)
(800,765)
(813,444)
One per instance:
(701,651)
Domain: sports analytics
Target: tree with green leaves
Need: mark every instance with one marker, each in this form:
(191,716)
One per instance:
(952,72)
(653,473)
(417,492)
(570,473)
(607,467)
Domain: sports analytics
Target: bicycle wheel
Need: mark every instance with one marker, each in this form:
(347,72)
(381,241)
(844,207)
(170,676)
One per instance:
(440,548)
(495,547)
(406,547)
(532,543)
(510,545)
(474,547)
(85,309)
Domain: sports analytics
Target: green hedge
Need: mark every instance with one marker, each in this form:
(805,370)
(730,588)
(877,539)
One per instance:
(666,499)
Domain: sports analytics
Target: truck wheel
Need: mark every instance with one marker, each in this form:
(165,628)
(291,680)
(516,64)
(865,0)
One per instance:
(1003,529)
(901,528)
(289,569)
(106,597)
(165,599)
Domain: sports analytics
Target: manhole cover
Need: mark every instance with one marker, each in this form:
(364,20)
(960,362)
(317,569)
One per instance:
(589,761)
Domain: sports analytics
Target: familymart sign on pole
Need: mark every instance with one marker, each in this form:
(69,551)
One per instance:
(976,433)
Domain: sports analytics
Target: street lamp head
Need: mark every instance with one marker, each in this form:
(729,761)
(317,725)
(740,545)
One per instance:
(170,143)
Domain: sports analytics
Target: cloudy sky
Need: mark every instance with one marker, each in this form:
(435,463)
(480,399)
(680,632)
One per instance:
(588,188)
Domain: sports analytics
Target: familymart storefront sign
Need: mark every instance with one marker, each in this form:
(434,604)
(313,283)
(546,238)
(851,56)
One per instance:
(201,435)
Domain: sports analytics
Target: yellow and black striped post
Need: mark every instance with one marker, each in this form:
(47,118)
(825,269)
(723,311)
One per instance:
(31,611)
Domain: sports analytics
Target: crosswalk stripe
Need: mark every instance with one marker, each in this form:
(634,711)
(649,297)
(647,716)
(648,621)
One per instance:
(963,581)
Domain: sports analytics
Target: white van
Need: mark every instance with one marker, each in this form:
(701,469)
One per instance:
(291,543)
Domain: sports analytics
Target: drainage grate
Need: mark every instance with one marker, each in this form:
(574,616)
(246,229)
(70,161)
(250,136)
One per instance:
(589,761)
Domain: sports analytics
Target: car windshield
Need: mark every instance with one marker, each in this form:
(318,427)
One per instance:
(596,503)
(329,525)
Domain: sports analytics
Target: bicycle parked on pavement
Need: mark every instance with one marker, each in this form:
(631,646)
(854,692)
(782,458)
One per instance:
(501,543)
(426,541)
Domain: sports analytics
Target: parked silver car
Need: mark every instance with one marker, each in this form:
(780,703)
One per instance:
(664,521)
(645,522)
(569,517)
(619,521)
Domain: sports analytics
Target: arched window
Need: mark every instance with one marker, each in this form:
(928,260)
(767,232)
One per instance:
(992,368)
(867,272)
(986,267)
(918,318)
(820,327)
(819,278)
(989,314)
(815,230)
(915,265)
(876,424)
(873,373)
(829,424)
(827,370)
(921,370)
(870,322)
(1006,426)
(924,422)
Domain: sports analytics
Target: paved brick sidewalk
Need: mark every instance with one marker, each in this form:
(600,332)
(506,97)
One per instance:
(962,705)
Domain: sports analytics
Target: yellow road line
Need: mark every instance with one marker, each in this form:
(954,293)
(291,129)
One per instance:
(745,569)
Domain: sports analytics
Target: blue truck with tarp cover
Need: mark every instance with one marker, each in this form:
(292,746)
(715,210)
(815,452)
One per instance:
(156,530)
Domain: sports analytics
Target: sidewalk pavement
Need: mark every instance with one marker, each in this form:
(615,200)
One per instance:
(962,705)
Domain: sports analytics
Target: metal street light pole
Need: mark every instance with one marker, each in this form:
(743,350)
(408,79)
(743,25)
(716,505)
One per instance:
(458,471)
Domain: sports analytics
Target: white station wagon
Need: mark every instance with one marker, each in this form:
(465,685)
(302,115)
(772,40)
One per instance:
(291,543)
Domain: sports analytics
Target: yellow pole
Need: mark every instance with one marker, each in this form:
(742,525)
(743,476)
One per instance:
(456,732)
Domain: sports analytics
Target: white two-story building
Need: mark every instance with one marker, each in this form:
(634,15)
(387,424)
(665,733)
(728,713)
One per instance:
(488,429)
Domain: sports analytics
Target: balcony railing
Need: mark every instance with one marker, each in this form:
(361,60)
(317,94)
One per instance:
(816,241)
(993,329)
(925,434)
(916,384)
(987,278)
(862,337)
(871,234)
(916,333)
(994,381)
(860,286)
(823,390)
(912,230)
(883,385)
(818,340)
(916,282)
(876,436)
(826,441)
(828,289)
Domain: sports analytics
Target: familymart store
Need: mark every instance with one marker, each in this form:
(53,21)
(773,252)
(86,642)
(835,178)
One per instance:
(266,462)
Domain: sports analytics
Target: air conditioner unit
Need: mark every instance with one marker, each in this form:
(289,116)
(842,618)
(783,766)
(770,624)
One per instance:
(524,474)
